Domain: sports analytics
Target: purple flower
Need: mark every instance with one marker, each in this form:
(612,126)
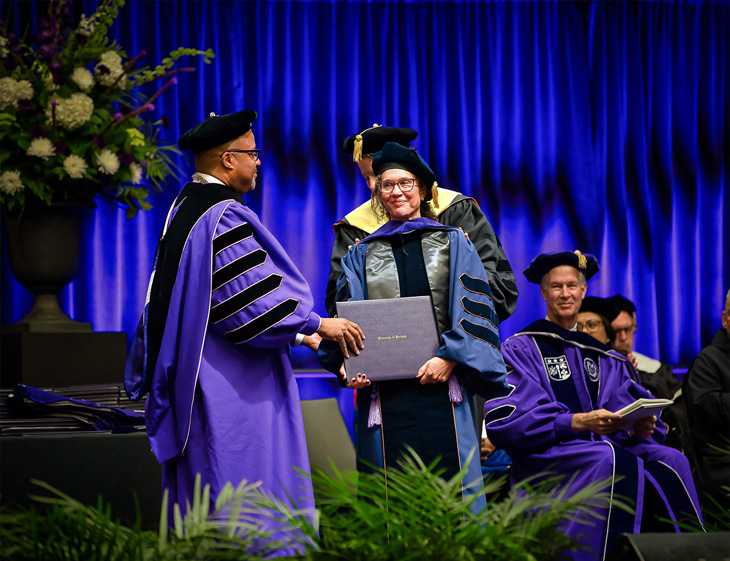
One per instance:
(126,158)
(81,39)
(10,64)
(165,122)
(59,79)
(36,131)
(100,142)
(143,164)
(54,102)
(46,35)
(125,109)
(117,116)
(46,52)
(102,69)
(55,67)
(25,104)
(60,147)
(149,107)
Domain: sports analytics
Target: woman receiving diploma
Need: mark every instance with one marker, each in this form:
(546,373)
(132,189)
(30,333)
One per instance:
(413,255)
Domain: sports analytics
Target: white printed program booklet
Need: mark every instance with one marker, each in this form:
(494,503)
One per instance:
(643,407)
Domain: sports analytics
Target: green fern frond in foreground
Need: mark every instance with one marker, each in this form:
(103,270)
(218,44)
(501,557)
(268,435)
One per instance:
(417,515)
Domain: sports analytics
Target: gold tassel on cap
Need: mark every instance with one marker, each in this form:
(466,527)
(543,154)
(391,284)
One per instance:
(582,261)
(357,149)
(435,194)
(212,114)
(357,152)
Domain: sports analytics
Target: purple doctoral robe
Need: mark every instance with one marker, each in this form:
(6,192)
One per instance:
(212,349)
(554,373)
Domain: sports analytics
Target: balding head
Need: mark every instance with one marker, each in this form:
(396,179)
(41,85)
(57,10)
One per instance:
(726,314)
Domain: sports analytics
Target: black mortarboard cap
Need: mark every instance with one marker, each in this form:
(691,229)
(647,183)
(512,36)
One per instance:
(216,130)
(601,306)
(373,139)
(623,304)
(545,262)
(396,156)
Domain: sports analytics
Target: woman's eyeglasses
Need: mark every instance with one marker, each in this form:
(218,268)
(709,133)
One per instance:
(590,326)
(404,185)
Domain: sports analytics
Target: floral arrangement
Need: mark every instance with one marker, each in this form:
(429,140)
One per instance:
(72,113)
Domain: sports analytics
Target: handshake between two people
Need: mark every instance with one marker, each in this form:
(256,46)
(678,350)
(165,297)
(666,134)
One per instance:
(344,332)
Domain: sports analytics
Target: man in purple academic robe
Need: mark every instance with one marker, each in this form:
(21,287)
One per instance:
(212,349)
(559,416)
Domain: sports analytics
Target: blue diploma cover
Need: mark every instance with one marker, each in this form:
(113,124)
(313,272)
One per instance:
(401,335)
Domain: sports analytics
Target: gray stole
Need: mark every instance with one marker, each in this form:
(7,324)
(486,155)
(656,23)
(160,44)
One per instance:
(381,273)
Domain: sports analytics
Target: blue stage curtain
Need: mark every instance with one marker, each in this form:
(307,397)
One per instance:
(594,126)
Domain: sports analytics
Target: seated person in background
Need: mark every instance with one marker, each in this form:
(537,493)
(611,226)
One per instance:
(655,376)
(595,318)
(558,417)
(495,461)
(707,399)
(412,255)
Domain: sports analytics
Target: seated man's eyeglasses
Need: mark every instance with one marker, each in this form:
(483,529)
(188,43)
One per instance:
(590,326)
(253,154)
(404,185)
(624,330)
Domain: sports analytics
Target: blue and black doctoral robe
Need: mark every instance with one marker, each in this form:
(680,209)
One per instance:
(417,258)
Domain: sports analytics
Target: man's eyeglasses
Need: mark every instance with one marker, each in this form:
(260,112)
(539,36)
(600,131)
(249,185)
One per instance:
(253,154)
(405,185)
(590,326)
(625,330)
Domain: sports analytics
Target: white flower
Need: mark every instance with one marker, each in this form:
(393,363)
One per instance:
(11,91)
(113,62)
(10,182)
(41,147)
(4,51)
(108,162)
(75,166)
(86,25)
(136,170)
(83,78)
(73,112)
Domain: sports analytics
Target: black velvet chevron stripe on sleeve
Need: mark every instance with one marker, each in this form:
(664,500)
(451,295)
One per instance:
(232,236)
(238,267)
(480,332)
(480,310)
(498,413)
(238,302)
(476,285)
(265,321)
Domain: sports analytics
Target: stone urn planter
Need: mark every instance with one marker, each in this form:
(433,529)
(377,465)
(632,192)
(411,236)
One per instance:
(43,249)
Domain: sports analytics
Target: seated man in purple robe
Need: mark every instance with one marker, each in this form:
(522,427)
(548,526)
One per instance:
(224,304)
(559,416)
